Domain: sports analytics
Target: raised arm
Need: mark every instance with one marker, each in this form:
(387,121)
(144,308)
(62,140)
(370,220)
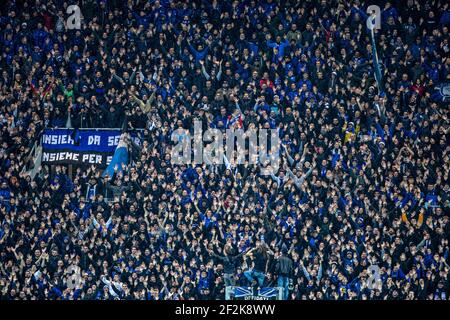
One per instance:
(139,101)
(205,73)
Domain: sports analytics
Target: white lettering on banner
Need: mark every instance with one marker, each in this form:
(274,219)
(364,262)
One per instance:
(59,156)
(113,140)
(94,140)
(136,140)
(57,139)
(92,158)
(108,159)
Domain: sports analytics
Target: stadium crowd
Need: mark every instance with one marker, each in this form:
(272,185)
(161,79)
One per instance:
(364,179)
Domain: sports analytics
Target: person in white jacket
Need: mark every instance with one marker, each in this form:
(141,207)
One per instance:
(114,285)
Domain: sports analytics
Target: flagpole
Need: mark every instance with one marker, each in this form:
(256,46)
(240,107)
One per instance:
(376,65)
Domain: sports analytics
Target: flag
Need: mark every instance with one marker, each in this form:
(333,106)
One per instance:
(441,93)
(235,121)
(242,292)
(248,293)
(268,292)
(120,156)
(69,121)
(376,64)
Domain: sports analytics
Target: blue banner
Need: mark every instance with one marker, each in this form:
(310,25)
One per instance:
(83,146)
(120,157)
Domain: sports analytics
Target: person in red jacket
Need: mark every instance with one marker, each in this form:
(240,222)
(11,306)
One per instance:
(265,80)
